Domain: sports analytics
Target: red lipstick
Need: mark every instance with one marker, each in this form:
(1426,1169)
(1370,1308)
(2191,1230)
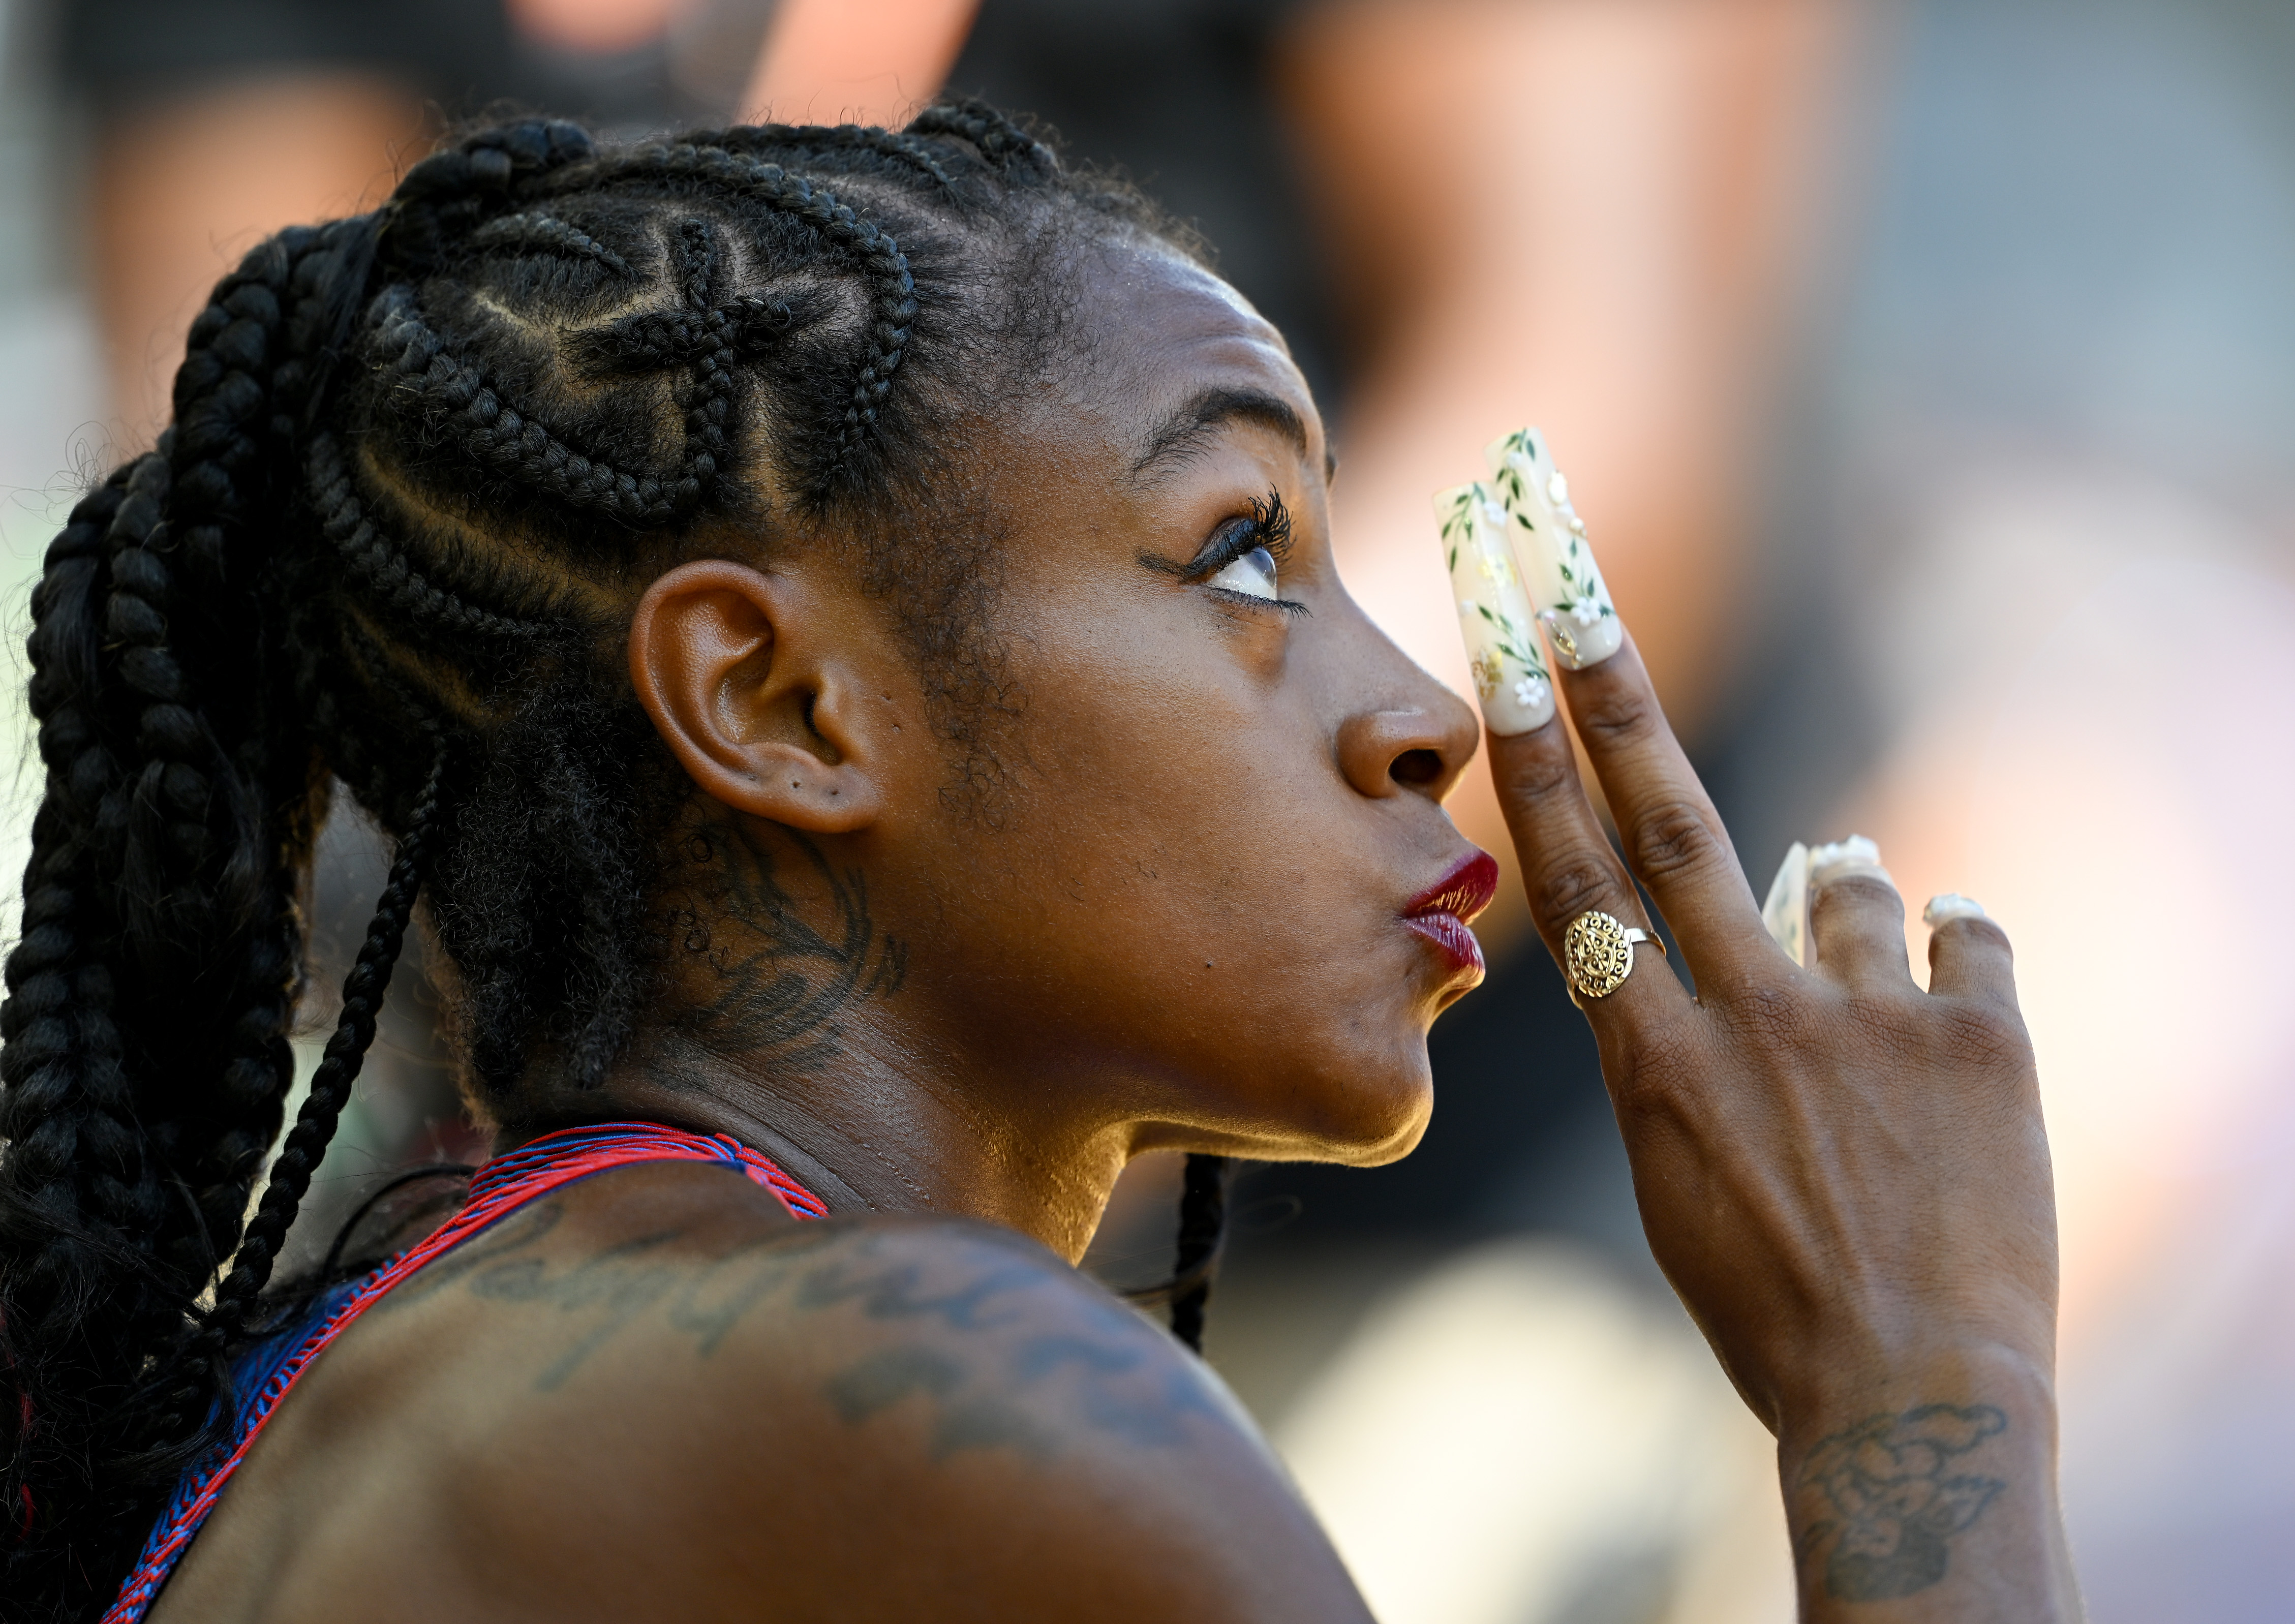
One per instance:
(1442,911)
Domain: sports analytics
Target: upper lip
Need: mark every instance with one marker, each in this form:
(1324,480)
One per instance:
(1464,892)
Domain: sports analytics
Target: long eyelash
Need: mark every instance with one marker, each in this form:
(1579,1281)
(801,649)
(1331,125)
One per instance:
(1267,526)
(1264,524)
(1272,522)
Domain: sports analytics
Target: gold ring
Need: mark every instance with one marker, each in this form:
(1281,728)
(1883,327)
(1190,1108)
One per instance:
(1597,954)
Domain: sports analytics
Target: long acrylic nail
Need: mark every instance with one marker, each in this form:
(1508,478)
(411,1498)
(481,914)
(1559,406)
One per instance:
(1550,539)
(1494,612)
(1947,906)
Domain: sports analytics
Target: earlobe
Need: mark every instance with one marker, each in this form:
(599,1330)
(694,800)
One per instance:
(747,682)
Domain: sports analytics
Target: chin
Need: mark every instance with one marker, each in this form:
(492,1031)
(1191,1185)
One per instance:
(1361,1116)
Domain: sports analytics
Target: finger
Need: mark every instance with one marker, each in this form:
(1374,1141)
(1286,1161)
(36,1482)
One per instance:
(1672,837)
(1856,918)
(1569,868)
(1969,955)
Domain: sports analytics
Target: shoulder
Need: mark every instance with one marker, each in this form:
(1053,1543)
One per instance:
(856,1416)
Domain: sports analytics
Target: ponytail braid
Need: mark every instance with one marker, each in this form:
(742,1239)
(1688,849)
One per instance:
(145,1060)
(197,1368)
(1203,1232)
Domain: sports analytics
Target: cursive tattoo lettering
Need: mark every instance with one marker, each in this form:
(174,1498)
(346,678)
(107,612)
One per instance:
(1897,1495)
(993,1364)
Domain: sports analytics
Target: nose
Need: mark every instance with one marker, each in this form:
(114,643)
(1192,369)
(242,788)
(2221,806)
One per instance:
(1418,750)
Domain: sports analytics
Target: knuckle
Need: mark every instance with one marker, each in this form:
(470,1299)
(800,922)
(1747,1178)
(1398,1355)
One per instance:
(1985,1037)
(1569,885)
(1653,1081)
(1973,929)
(1531,777)
(1672,839)
(1776,1019)
(1862,892)
(1887,1022)
(1613,715)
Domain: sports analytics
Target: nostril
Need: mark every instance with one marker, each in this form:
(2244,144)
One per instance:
(1416,768)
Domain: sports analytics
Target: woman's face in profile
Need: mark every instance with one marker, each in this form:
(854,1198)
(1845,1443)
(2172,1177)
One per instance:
(1217,884)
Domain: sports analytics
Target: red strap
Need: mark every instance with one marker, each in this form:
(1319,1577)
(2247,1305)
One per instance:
(498,1190)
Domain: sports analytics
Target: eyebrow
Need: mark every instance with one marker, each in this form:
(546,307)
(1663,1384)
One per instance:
(1195,424)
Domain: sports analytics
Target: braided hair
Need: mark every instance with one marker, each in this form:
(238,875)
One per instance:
(423,462)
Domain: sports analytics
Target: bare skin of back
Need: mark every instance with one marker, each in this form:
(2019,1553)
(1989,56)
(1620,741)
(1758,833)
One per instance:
(655,1395)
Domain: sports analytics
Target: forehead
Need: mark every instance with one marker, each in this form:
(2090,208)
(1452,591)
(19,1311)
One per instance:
(1162,331)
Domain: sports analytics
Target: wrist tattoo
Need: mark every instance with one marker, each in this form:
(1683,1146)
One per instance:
(1898,1492)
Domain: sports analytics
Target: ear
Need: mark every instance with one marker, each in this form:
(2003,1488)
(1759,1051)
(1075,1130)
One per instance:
(750,679)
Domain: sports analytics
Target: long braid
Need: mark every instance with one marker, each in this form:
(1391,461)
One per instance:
(364,987)
(1202,1230)
(148,1004)
(77,1192)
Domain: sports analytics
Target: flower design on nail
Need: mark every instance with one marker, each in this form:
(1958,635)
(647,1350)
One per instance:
(1487,675)
(1495,569)
(1583,599)
(1530,693)
(1557,490)
(1493,514)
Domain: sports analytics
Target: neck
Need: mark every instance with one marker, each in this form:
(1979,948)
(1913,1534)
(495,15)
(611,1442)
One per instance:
(798,1032)
(872,1127)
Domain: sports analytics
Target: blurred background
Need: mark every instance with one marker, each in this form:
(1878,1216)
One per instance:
(1927,373)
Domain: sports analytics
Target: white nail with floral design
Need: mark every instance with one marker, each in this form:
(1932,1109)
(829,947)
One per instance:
(1549,539)
(1494,611)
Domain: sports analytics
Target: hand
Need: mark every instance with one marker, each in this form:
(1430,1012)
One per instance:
(1845,1178)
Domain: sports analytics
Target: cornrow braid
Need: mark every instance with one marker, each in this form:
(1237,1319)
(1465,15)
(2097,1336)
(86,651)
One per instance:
(893,305)
(548,235)
(423,462)
(455,398)
(383,571)
(652,339)
(797,142)
(1004,142)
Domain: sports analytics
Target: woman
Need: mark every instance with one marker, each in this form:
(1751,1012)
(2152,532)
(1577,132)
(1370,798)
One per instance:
(842,628)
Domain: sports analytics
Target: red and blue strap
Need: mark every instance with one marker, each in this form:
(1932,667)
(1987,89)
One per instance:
(497,1189)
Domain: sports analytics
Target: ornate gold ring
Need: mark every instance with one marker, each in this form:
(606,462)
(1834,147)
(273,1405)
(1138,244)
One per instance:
(1597,954)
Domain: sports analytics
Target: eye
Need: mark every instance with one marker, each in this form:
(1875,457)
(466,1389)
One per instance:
(1252,574)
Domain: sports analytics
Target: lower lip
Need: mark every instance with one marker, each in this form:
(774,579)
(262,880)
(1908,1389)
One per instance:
(1449,932)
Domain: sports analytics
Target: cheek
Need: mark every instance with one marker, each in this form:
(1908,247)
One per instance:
(1188,894)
